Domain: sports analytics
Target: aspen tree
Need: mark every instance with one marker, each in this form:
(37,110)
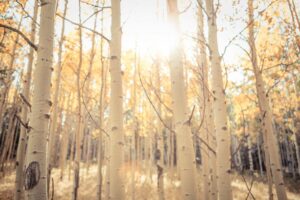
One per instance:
(88,82)
(268,168)
(296,122)
(160,138)
(8,141)
(115,106)
(160,153)
(135,128)
(185,151)
(223,161)
(65,138)
(19,190)
(258,143)
(249,144)
(53,126)
(102,96)
(80,124)
(295,22)
(266,114)
(206,131)
(35,182)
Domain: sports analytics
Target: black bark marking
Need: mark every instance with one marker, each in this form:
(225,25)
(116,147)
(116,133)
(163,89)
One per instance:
(47,116)
(32,175)
(157,154)
(159,173)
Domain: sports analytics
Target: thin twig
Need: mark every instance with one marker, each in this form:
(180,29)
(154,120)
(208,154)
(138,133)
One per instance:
(162,121)
(21,34)
(89,29)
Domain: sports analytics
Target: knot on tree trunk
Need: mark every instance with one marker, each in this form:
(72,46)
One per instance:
(32,175)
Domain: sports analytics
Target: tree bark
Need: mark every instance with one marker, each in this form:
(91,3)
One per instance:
(207,126)
(185,152)
(65,139)
(160,139)
(266,114)
(249,144)
(35,182)
(115,106)
(223,161)
(80,123)
(102,96)
(53,126)
(19,190)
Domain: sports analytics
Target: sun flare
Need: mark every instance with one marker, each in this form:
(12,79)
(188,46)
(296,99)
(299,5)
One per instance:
(157,39)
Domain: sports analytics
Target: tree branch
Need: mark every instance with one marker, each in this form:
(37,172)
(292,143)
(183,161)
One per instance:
(79,25)
(21,34)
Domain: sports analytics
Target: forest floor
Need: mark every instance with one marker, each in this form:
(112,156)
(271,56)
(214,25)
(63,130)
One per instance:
(145,186)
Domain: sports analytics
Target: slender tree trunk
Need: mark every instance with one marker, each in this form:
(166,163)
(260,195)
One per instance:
(53,127)
(160,140)
(135,129)
(19,190)
(116,108)
(297,151)
(268,167)
(185,152)
(206,131)
(35,182)
(249,144)
(202,64)
(107,158)
(102,96)
(65,139)
(213,144)
(296,130)
(266,114)
(219,110)
(9,137)
(80,124)
(14,141)
(286,153)
(259,154)
(160,150)
(88,82)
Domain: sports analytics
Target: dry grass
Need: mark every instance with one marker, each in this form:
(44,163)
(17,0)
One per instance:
(144,187)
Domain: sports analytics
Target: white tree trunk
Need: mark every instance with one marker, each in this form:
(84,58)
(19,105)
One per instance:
(296,123)
(160,139)
(53,127)
(223,162)
(266,114)
(259,154)
(185,150)
(88,83)
(116,108)
(249,144)
(35,182)
(207,129)
(80,120)
(102,96)
(65,139)
(24,115)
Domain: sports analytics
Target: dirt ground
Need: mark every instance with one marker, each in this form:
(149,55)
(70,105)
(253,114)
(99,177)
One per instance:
(145,185)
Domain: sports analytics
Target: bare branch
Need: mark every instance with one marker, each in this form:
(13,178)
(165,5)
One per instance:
(89,29)
(21,34)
